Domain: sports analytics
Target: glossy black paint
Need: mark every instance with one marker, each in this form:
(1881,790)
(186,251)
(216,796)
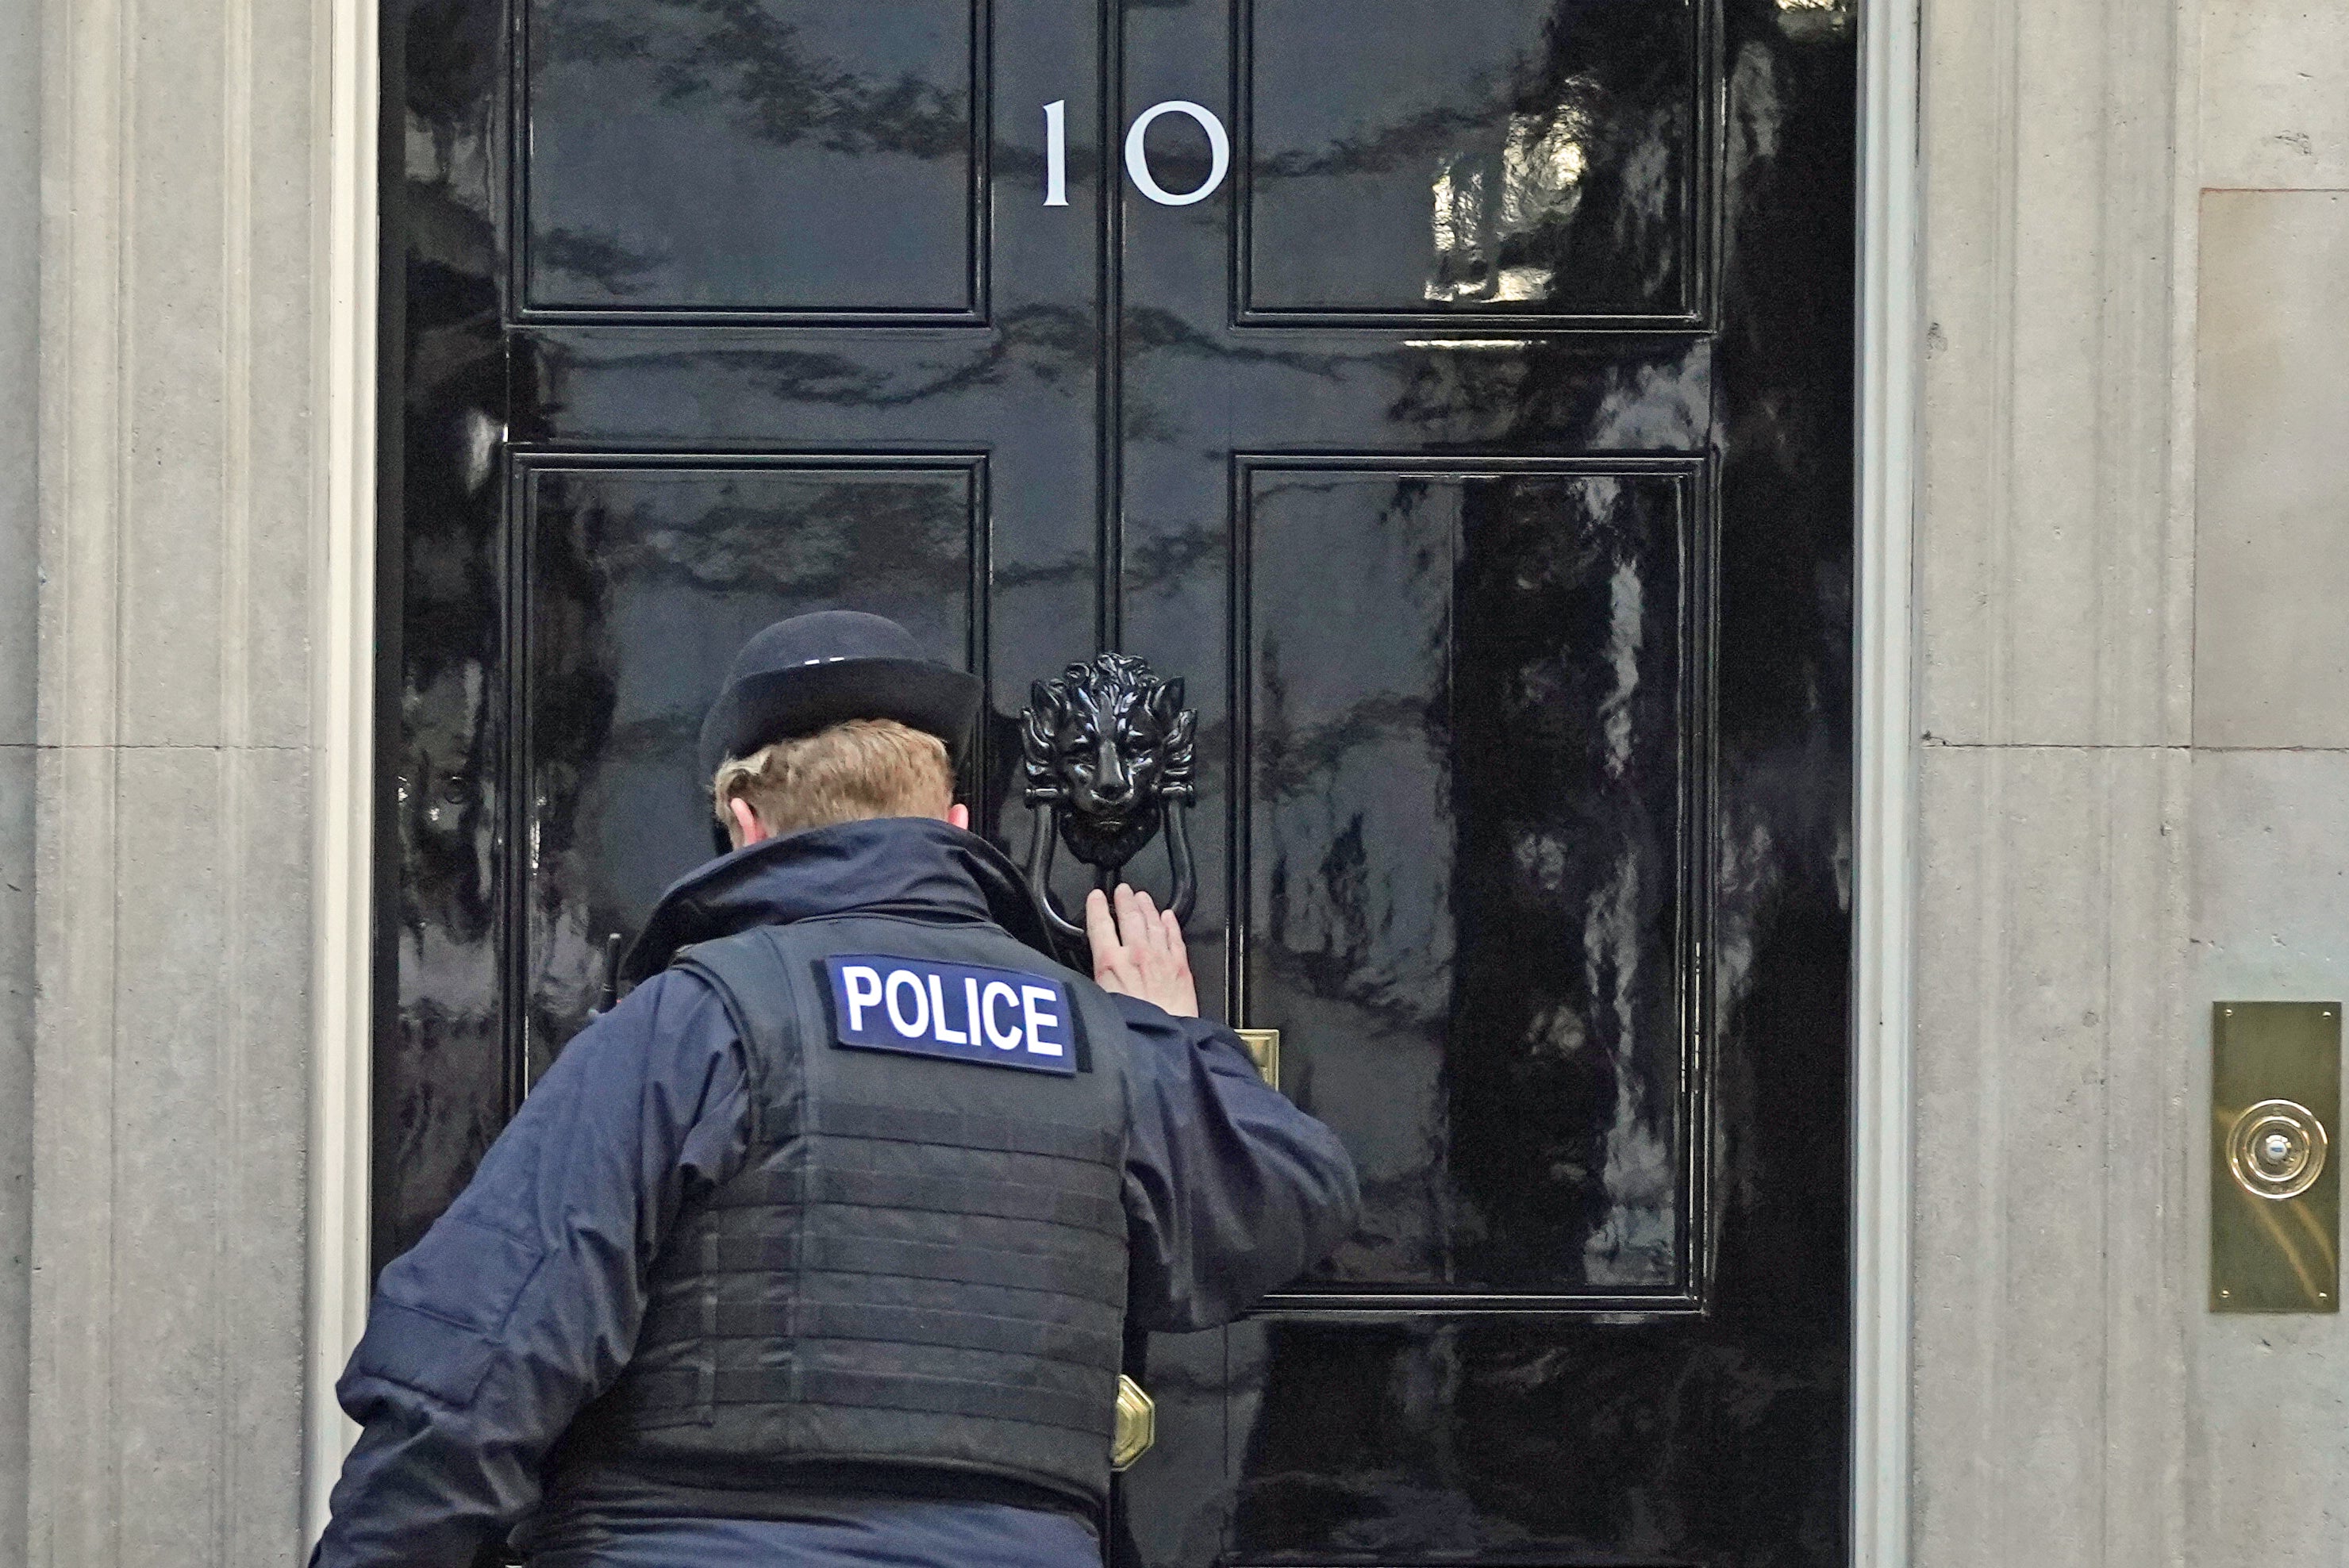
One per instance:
(1480,456)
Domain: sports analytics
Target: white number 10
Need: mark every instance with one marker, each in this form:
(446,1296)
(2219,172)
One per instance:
(1137,158)
(1056,153)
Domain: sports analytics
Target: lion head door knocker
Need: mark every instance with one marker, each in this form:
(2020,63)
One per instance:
(1108,757)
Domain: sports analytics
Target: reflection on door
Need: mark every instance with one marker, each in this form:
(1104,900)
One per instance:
(1476,449)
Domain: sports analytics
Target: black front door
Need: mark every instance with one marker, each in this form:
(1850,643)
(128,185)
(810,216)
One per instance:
(1456,393)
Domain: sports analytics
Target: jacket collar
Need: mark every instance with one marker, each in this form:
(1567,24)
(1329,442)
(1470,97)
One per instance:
(913,867)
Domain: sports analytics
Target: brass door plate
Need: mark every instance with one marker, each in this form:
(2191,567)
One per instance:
(1263,1049)
(2275,1178)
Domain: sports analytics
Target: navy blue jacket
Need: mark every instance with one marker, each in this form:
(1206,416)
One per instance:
(523,1302)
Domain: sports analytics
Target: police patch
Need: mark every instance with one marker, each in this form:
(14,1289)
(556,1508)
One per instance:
(1002,1018)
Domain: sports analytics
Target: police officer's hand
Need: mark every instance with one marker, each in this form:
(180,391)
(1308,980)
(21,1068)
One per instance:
(1141,952)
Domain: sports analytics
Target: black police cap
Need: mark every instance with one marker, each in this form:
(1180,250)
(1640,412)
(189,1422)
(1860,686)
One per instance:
(813,671)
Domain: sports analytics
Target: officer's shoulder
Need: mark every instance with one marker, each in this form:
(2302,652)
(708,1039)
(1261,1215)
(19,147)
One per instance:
(668,993)
(1039,961)
(711,948)
(670,1005)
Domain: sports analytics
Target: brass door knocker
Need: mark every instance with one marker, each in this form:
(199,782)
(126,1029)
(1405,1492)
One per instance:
(1108,757)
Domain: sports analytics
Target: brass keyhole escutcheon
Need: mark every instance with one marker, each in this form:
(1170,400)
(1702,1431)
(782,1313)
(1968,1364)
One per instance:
(1264,1050)
(1137,1425)
(2277,1149)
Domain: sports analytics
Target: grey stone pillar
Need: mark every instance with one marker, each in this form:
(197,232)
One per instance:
(20,188)
(179,548)
(2054,577)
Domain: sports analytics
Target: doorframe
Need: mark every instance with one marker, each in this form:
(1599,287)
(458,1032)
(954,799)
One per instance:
(348,233)
(1889,259)
(1884,878)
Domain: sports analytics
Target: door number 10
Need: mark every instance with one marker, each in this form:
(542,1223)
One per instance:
(1137,158)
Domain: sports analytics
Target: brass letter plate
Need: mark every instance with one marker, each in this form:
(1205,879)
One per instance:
(2275,1178)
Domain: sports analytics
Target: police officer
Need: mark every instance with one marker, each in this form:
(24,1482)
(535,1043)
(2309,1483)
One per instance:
(819,1248)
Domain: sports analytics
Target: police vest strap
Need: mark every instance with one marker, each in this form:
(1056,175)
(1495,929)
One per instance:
(953,1129)
(698,1386)
(929,1194)
(1045,1273)
(917,1325)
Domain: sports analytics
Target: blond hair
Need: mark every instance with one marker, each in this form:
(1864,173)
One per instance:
(864,768)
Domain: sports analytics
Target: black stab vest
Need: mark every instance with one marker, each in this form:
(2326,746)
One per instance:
(921,1265)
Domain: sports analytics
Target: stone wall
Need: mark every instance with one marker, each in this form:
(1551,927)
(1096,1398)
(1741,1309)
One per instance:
(20,188)
(181,168)
(2266,226)
(2053,609)
(2133,554)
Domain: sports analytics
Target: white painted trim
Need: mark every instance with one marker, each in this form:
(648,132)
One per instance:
(344,713)
(1884,879)
(1884,874)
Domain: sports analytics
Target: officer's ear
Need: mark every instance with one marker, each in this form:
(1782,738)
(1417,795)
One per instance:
(959,815)
(747,829)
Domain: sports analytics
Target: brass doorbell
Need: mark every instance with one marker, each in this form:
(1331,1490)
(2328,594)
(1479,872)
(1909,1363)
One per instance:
(2275,1189)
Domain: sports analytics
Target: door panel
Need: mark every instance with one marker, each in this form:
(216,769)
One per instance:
(640,578)
(754,158)
(1497,1441)
(1478,452)
(1467,861)
(1464,160)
